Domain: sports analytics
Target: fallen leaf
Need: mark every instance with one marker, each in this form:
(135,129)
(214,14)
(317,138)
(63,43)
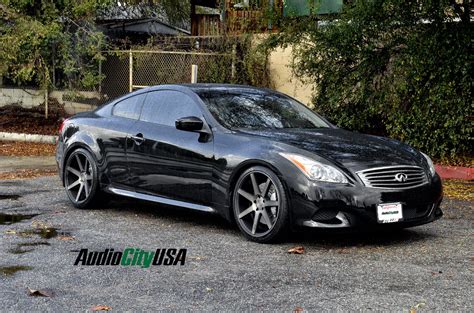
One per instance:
(66,237)
(414,309)
(28,149)
(208,289)
(298,309)
(343,251)
(458,189)
(28,173)
(10,232)
(197,258)
(296,250)
(38,293)
(101,308)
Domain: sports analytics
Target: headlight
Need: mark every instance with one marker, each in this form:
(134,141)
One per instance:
(315,170)
(430,164)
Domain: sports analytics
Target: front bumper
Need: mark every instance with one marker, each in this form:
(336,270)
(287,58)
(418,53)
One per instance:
(331,206)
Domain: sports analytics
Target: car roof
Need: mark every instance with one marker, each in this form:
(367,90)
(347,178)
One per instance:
(210,87)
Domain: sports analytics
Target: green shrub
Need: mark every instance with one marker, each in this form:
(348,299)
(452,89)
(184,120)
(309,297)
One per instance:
(397,68)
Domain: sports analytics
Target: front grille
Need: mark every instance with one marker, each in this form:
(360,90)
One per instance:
(394,177)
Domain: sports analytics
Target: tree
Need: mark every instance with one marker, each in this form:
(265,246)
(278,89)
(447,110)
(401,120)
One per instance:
(56,44)
(394,67)
(44,40)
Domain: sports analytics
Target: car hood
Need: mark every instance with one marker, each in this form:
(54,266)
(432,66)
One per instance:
(352,150)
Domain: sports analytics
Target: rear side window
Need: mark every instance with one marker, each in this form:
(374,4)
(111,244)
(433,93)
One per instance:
(129,108)
(166,106)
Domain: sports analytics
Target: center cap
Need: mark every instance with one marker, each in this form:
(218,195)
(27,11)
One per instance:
(260,203)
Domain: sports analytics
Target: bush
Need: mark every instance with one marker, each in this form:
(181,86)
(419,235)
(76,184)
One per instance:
(397,68)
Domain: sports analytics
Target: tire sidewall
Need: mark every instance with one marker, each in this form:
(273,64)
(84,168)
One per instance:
(280,228)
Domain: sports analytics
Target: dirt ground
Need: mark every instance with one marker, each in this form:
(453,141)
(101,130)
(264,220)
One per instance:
(30,121)
(17,148)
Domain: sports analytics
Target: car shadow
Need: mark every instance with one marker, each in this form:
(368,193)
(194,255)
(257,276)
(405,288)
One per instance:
(305,237)
(171,213)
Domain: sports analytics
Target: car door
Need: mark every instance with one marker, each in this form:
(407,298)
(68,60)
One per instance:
(165,161)
(113,135)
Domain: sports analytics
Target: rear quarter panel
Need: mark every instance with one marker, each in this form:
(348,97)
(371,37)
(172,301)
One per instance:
(104,137)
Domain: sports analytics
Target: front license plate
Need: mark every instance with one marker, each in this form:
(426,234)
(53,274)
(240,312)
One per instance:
(389,212)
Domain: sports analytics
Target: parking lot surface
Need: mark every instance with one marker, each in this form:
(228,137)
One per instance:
(424,268)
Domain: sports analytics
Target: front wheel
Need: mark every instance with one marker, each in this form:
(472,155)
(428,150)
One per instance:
(260,205)
(81,179)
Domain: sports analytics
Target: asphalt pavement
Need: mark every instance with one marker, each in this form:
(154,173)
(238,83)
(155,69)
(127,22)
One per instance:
(424,268)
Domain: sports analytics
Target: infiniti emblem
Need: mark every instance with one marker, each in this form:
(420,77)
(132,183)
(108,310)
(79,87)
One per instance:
(401,177)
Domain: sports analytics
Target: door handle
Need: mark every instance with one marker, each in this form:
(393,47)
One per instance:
(138,139)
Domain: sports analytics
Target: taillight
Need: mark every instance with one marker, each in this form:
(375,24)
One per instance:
(62,126)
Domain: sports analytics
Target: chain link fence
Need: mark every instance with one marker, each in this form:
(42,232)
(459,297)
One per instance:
(125,71)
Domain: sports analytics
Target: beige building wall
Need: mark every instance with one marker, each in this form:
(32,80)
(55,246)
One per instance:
(284,81)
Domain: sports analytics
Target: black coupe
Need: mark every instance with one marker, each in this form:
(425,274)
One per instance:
(255,156)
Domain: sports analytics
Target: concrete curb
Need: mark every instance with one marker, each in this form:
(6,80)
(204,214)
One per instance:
(27,137)
(455,172)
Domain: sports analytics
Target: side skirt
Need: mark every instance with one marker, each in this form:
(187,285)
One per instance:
(157,199)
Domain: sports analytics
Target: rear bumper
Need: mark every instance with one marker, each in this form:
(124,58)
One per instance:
(331,206)
(59,158)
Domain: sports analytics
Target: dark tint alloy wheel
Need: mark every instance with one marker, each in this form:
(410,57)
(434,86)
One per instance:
(260,205)
(80,178)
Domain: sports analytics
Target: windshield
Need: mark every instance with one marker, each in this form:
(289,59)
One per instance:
(259,110)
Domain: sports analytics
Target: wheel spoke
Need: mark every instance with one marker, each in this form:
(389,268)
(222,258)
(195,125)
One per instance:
(255,222)
(74,171)
(247,195)
(86,188)
(265,187)
(79,163)
(74,184)
(272,203)
(256,190)
(79,192)
(247,211)
(86,165)
(266,219)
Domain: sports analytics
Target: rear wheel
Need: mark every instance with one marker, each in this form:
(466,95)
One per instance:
(260,205)
(81,179)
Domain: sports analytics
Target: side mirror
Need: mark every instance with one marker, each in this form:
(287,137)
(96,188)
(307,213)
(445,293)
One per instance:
(190,123)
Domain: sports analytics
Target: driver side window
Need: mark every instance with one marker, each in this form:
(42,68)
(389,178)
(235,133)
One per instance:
(166,106)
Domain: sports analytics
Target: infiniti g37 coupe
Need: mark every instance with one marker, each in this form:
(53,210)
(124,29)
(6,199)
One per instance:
(255,156)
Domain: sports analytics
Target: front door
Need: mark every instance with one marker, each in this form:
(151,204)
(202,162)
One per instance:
(165,161)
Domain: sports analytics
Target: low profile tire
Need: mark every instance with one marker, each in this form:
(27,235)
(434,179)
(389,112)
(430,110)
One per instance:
(81,179)
(260,205)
